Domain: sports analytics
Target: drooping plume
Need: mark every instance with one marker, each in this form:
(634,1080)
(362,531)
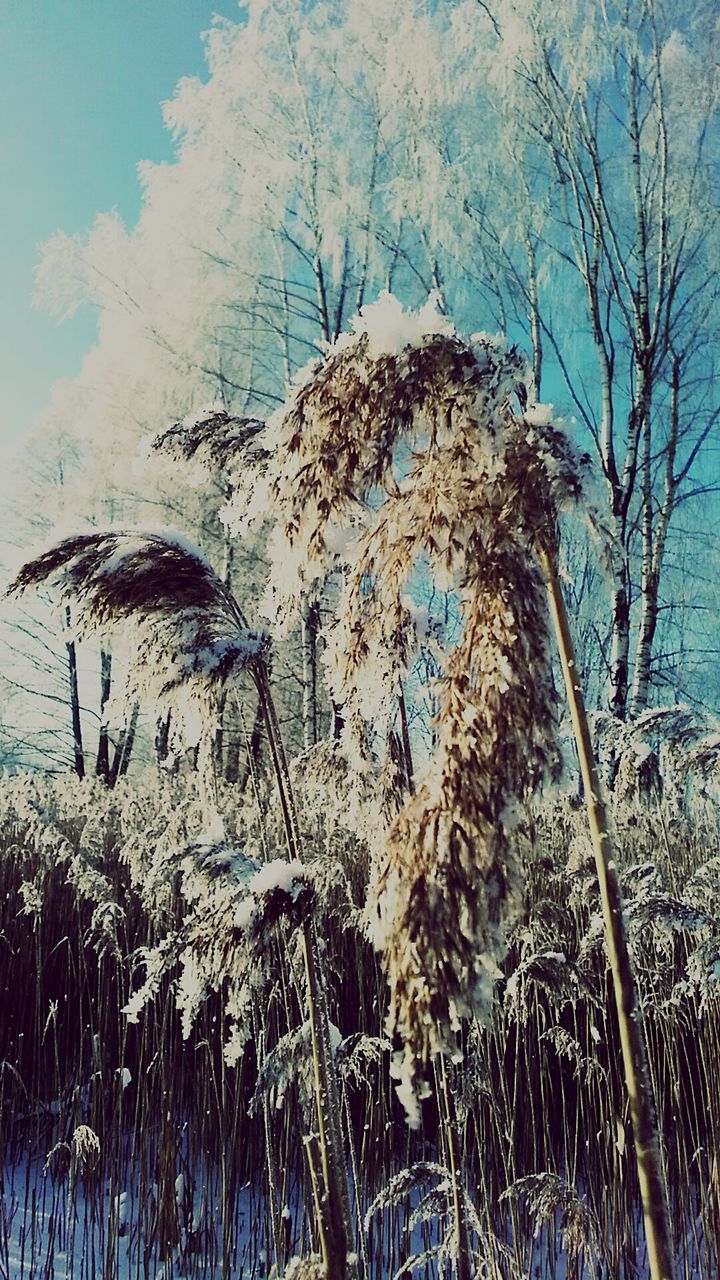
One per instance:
(429,444)
(188,632)
(214,440)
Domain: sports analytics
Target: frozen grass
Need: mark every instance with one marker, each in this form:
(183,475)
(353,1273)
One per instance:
(209,1157)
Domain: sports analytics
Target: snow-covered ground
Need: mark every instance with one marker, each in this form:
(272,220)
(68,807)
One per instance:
(51,1229)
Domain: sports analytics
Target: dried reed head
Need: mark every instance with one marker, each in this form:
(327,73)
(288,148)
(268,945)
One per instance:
(215,441)
(229,938)
(311,1268)
(338,435)
(232,452)
(552,1200)
(433,445)
(188,632)
(86,1148)
(112,575)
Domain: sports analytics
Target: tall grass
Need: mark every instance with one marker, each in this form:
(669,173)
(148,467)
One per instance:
(538,1114)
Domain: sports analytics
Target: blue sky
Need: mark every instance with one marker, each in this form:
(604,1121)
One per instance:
(81,82)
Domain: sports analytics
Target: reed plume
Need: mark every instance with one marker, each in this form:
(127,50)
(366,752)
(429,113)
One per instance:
(188,631)
(429,448)
(191,637)
(213,440)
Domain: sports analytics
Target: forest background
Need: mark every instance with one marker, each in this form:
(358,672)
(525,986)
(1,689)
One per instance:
(554,185)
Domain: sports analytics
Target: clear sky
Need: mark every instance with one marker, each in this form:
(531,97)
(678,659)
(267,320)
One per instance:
(81,82)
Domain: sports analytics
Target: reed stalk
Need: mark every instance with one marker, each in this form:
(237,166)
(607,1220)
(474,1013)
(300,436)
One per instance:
(651,1176)
(335,1225)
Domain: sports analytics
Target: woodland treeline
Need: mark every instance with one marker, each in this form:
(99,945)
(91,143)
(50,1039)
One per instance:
(551,181)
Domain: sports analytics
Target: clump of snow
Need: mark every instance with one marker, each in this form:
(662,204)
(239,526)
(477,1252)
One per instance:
(192,990)
(409,1089)
(390,329)
(122,1210)
(234,1044)
(134,548)
(279,874)
(244,913)
(214,830)
(125,1077)
(155,960)
(539,415)
(196,417)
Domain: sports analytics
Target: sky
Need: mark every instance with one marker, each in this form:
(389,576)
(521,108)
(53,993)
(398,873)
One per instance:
(81,83)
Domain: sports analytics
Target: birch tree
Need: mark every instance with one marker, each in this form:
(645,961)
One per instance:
(622,100)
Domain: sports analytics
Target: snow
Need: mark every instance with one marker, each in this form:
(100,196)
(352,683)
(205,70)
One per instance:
(202,414)
(539,415)
(278,874)
(403,1072)
(122,1210)
(70,1234)
(128,548)
(244,913)
(390,329)
(179,540)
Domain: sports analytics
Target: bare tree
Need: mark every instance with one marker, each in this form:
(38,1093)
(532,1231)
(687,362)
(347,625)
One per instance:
(632,220)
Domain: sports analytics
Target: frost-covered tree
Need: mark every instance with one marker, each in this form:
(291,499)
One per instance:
(619,104)
(552,180)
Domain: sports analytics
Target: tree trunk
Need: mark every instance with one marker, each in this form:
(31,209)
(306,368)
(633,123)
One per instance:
(79,754)
(129,741)
(646,638)
(619,648)
(534,317)
(102,763)
(162,738)
(653,548)
(310,629)
(124,747)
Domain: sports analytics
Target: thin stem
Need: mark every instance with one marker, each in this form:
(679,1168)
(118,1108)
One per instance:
(335,1225)
(642,1109)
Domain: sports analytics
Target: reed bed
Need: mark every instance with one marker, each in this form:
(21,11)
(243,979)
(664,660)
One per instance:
(185,1166)
(209,1068)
